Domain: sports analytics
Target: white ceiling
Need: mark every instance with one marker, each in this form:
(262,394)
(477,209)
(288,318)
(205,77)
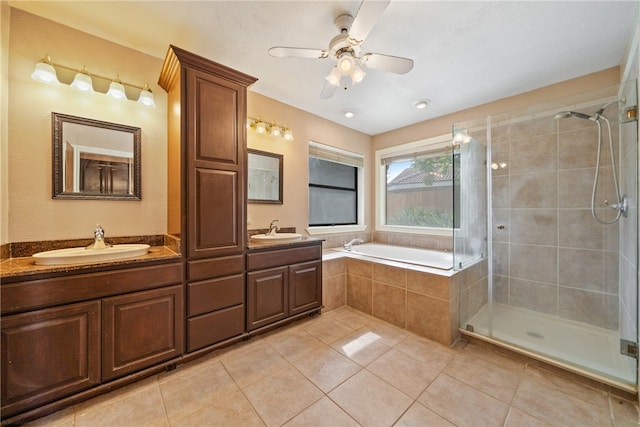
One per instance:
(465,53)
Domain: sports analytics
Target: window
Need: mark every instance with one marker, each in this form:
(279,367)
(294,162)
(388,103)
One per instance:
(334,183)
(416,187)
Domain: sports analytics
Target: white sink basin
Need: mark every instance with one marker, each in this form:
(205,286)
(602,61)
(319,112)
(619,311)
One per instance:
(277,238)
(80,255)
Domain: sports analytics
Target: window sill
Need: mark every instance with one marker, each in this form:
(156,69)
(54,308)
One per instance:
(313,231)
(433,231)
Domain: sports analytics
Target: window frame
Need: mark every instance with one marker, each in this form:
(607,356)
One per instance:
(360,199)
(425,145)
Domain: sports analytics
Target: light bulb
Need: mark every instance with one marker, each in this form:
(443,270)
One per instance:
(275,130)
(334,77)
(261,127)
(346,64)
(82,81)
(288,135)
(357,75)
(116,90)
(44,72)
(146,97)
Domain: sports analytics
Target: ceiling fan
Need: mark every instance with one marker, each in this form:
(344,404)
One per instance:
(345,49)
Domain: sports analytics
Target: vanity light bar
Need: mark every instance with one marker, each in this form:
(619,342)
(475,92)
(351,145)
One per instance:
(45,72)
(263,128)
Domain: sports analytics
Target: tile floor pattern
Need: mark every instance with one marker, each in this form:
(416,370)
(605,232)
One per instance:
(344,368)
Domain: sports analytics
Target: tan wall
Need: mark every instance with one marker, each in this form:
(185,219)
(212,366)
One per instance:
(33,214)
(442,125)
(294,212)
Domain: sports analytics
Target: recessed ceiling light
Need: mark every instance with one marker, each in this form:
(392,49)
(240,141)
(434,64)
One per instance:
(422,103)
(349,114)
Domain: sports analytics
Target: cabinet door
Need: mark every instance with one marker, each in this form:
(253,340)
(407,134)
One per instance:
(215,165)
(141,330)
(48,354)
(305,286)
(267,297)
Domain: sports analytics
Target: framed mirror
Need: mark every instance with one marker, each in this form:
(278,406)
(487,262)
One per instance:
(264,183)
(94,159)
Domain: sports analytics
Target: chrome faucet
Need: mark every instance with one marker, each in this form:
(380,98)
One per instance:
(273,227)
(98,242)
(347,246)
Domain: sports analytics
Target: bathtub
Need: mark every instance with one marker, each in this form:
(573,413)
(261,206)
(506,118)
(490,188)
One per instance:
(415,256)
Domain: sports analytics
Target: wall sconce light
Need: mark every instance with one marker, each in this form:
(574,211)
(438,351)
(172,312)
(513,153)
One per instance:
(273,129)
(45,72)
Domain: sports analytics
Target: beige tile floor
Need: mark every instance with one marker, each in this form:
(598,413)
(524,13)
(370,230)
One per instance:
(345,368)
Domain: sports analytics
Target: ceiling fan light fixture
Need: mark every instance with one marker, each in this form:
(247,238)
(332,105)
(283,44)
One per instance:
(334,77)
(357,75)
(346,64)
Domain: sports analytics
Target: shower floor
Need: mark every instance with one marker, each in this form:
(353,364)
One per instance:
(576,344)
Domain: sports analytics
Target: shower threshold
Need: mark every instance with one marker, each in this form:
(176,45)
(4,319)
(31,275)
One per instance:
(588,350)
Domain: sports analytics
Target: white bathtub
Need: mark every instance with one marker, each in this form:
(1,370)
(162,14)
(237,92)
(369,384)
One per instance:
(416,256)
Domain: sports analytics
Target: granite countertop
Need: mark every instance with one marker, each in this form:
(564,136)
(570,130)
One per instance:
(26,266)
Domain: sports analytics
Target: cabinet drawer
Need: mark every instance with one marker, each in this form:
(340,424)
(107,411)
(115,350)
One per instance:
(17,297)
(214,327)
(216,267)
(275,258)
(215,294)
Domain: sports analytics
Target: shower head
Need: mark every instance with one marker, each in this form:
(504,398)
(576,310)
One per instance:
(566,114)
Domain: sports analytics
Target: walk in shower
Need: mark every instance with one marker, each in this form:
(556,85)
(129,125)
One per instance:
(560,240)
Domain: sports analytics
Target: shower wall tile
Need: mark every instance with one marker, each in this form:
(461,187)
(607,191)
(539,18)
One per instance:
(611,272)
(534,226)
(577,229)
(579,149)
(499,134)
(538,263)
(501,289)
(574,188)
(612,236)
(536,154)
(534,127)
(534,190)
(500,192)
(590,307)
(581,268)
(501,219)
(501,258)
(532,295)
(500,153)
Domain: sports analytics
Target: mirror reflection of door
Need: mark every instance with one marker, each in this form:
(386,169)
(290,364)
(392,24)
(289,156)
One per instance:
(93,159)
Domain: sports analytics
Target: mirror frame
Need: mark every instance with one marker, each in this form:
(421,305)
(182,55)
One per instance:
(279,157)
(57,138)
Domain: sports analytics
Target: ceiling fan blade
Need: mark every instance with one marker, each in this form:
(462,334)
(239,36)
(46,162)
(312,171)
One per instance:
(297,52)
(367,16)
(328,90)
(393,64)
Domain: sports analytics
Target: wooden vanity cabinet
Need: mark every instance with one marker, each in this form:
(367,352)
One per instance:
(68,333)
(49,353)
(207,189)
(283,283)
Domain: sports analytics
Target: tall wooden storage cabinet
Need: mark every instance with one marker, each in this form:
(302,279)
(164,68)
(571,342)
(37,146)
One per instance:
(206,194)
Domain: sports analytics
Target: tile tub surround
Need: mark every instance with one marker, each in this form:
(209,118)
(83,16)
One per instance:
(417,299)
(404,380)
